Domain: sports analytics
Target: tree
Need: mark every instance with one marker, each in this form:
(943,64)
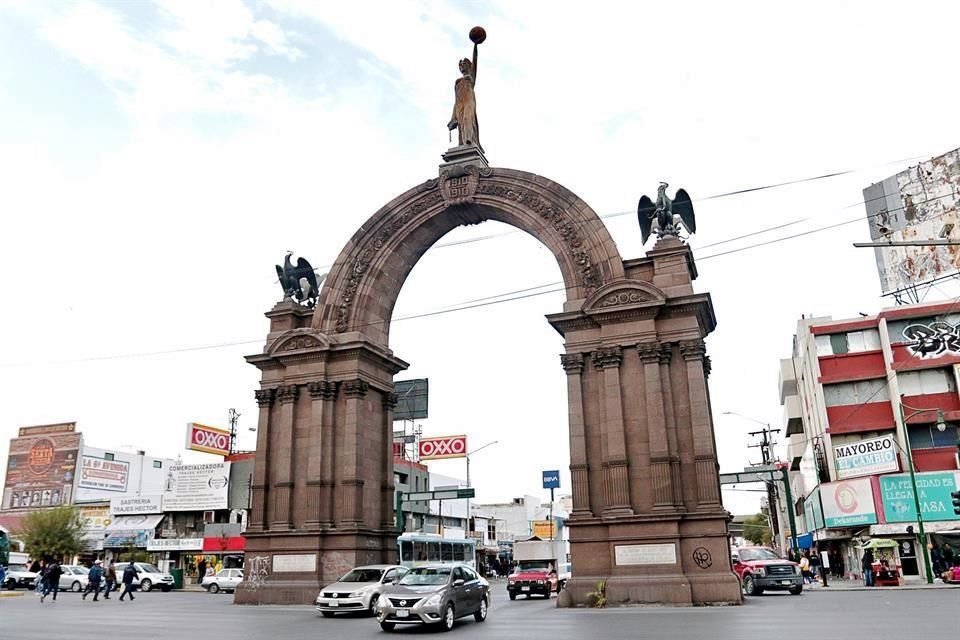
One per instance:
(756,530)
(53,533)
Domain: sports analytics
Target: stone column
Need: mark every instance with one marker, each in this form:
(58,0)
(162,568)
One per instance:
(666,354)
(261,467)
(328,454)
(283,481)
(579,468)
(662,477)
(315,461)
(708,477)
(355,391)
(388,488)
(608,360)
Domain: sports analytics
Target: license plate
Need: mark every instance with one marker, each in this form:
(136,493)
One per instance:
(524,588)
(786,582)
(403,613)
(333,604)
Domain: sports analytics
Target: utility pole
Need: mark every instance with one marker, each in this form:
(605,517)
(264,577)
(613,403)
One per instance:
(766,451)
(233,416)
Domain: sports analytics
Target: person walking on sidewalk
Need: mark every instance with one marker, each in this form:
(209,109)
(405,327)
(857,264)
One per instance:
(51,580)
(93,581)
(867,565)
(110,580)
(823,562)
(129,573)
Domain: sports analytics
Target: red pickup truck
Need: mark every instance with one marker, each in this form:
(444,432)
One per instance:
(761,569)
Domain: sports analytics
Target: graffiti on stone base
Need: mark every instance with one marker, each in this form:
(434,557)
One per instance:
(701,556)
(258,573)
(335,564)
(934,339)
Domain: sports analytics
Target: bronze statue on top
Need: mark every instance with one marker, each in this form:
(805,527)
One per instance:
(464,117)
(666,216)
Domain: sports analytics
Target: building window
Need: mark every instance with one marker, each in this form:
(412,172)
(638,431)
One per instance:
(491,530)
(108,456)
(157,464)
(927,436)
(927,381)
(854,342)
(860,392)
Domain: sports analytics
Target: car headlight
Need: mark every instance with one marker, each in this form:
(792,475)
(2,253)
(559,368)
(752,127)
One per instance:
(761,572)
(511,581)
(796,570)
(359,593)
(539,581)
(434,600)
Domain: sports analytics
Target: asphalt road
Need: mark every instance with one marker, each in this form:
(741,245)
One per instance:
(201,616)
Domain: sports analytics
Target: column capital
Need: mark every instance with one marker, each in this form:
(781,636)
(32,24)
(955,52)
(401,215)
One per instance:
(607,357)
(666,352)
(356,388)
(649,352)
(707,366)
(322,389)
(572,362)
(390,400)
(288,393)
(265,397)
(693,349)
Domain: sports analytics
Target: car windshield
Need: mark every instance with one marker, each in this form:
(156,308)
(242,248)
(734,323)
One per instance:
(425,575)
(748,555)
(363,575)
(534,565)
(148,568)
(80,570)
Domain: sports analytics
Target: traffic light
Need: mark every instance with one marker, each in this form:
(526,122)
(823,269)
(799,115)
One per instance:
(956,501)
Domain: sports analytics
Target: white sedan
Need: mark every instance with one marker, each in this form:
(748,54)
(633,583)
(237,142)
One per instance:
(73,577)
(223,580)
(359,590)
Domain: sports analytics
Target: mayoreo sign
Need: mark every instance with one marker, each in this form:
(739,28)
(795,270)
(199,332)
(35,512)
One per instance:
(866,457)
(200,437)
(443,447)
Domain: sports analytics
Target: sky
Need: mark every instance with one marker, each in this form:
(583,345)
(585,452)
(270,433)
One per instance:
(157,159)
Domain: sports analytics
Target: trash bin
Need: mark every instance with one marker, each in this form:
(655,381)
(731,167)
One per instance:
(177,578)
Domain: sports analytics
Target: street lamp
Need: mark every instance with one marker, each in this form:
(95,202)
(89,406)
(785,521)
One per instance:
(941,427)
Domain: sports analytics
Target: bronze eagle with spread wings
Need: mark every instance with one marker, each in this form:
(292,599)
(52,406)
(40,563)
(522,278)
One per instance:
(666,216)
(299,282)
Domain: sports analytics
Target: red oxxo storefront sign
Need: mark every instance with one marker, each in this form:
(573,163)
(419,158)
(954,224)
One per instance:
(208,439)
(443,447)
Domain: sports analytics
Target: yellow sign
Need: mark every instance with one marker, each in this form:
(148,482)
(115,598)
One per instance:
(544,529)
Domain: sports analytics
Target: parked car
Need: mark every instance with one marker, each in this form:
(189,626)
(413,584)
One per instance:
(761,569)
(435,594)
(73,577)
(148,576)
(358,590)
(223,580)
(20,577)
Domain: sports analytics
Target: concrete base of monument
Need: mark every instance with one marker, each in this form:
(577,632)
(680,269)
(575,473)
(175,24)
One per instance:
(667,590)
(278,592)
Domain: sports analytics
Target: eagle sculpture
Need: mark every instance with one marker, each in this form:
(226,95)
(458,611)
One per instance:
(299,282)
(666,216)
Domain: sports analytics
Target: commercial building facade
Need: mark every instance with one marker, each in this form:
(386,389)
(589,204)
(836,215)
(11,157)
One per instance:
(842,392)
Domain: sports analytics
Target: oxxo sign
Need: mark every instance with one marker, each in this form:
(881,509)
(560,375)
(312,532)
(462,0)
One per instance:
(208,439)
(443,447)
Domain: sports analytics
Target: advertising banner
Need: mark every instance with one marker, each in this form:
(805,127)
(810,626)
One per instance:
(95,518)
(813,511)
(443,447)
(866,457)
(175,544)
(934,488)
(213,440)
(135,505)
(41,466)
(848,503)
(105,475)
(544,529)
(197,487)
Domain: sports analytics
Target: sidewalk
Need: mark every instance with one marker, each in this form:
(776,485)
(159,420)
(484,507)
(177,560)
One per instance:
(856,585)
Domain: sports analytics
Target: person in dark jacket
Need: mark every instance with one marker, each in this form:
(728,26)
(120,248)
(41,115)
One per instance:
(867,565)
(110,580)
(51,580)
(93,580)
(129,574)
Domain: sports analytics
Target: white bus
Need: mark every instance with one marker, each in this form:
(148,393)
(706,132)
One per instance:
(417,549)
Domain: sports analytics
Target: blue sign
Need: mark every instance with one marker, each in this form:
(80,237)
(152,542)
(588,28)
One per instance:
(551,479)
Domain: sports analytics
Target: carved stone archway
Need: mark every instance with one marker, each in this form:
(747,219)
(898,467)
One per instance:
(647,516)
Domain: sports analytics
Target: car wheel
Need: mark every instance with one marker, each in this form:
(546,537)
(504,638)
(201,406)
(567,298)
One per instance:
(749,586)
(386,626)
(481,613)
(446,623)
(76,586)
(213,588)
(146,585)
(513,596)
(329,614)
(373,605)
(795,591)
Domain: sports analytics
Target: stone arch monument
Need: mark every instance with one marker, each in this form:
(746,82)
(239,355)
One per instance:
(647,516)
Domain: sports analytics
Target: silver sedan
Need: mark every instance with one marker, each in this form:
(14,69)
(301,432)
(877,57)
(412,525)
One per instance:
(359,590)
(435,594)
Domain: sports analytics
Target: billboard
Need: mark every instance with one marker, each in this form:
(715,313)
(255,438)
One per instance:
(443,447)
(919,203)
(213,440)
(197,487)
(544,529)
(104,475)
(551,479)
(934,488)
(41,467)
(848,503)
(412,397)
(866,457)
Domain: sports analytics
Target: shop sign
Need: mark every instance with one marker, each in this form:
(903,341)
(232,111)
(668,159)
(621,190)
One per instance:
(135,505)
(197,487)
(200,437)
(105,475)
(544,529)
(443,447)
(848,503)
(41,465)
(866,457)
(934,489)
(94,518)
(175,544)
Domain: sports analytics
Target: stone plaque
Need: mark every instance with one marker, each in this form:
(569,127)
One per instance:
(295,563)
(627,554)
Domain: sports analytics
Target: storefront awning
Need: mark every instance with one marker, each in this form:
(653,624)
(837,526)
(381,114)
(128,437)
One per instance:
(879,543)
(135,523)
(131,531)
